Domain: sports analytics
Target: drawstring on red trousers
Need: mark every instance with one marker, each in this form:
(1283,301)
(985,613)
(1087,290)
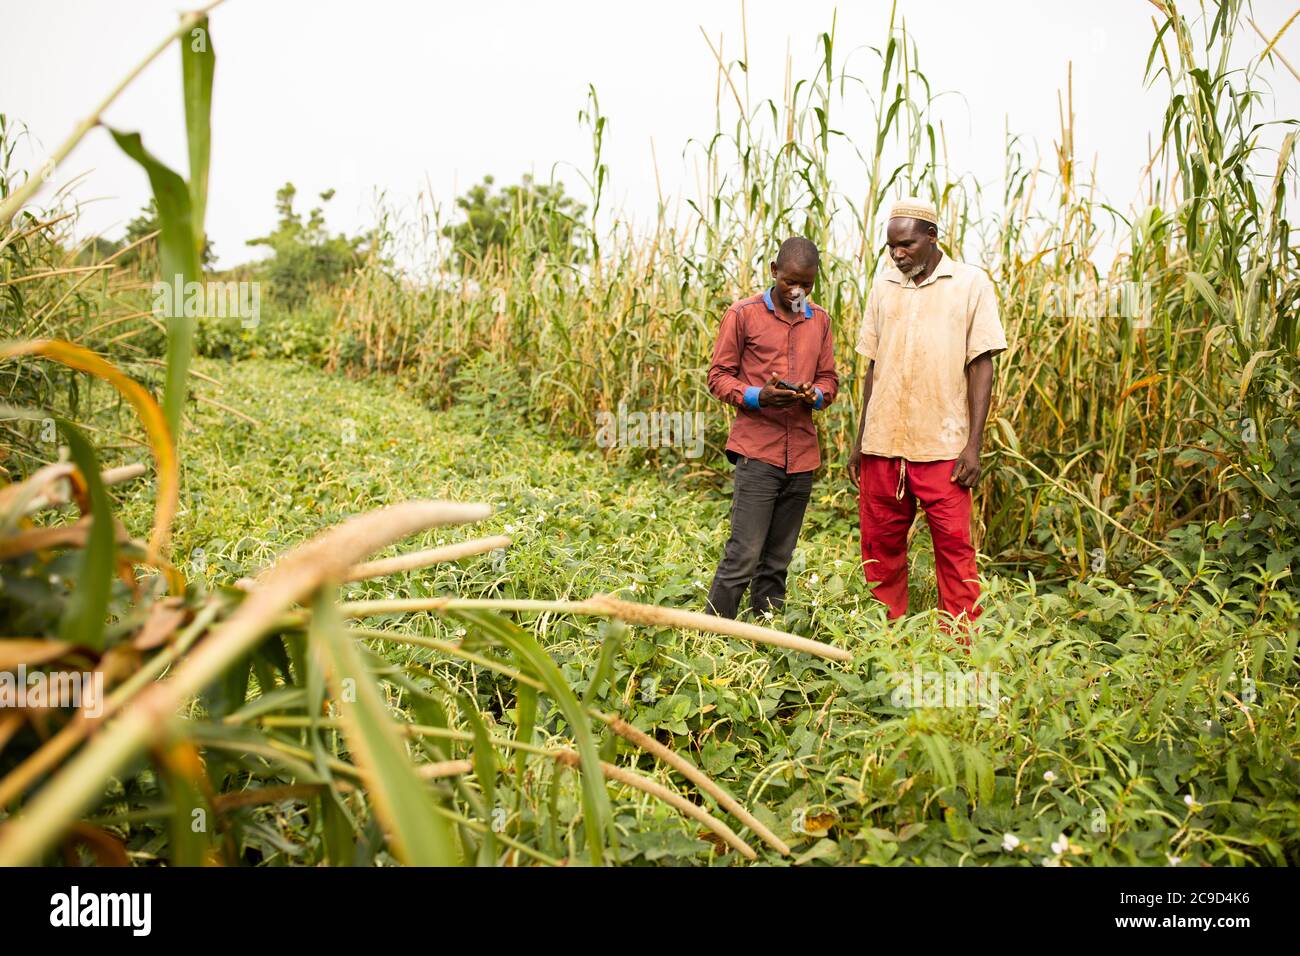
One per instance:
(902,475)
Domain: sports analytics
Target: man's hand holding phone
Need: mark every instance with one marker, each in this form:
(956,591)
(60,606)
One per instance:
(805,390)
(780,393)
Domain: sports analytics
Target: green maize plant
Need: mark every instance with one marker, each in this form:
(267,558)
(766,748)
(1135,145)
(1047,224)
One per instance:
(254,723)
(296,650)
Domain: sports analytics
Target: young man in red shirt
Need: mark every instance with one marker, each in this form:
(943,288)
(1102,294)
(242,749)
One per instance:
(776,337)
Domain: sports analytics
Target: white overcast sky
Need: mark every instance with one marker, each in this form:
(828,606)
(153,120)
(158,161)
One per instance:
(390,95)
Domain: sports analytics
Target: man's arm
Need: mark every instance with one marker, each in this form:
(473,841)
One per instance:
(855,454)
(868,339)
(984,339)
(724,370)
(725,367)
(979,392)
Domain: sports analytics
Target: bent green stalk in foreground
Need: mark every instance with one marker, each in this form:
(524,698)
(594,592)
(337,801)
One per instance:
(320,562)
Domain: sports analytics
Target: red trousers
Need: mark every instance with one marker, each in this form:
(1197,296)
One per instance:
(889,490)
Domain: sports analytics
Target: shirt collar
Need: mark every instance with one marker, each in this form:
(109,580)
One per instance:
(767,300)
(944,268)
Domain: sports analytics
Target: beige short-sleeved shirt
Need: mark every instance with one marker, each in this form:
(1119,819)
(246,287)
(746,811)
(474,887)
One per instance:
(921,339)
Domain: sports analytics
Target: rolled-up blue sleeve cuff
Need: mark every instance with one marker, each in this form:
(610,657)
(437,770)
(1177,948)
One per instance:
(751,396)
(821,399)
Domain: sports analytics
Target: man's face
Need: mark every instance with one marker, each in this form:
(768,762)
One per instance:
(910,245)
(794,282)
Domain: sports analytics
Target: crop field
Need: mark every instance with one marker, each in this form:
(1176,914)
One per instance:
(827,754)
(360,588)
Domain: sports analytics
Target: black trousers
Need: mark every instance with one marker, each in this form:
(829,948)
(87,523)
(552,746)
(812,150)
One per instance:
(767,508)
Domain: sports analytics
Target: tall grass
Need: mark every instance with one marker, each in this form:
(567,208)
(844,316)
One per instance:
(298,735)
(187,670)
(1126,395)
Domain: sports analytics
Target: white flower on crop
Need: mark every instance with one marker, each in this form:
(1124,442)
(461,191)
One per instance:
(459,632)
(510,529)
(698,583)
(853,613)
(1060,845)
(1049,776)
(814,579)
(1010,841)
(768,614)
(1006,700)
(1051,861)
(653,515)
(838,563)
(1173,860)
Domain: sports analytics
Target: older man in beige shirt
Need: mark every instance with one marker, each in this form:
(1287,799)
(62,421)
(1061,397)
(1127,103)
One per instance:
(930,332)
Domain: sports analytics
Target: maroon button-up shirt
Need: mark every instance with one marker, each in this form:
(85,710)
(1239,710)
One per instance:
(754,343)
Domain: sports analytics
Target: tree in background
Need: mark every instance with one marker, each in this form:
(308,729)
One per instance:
(529,220)
(304,255)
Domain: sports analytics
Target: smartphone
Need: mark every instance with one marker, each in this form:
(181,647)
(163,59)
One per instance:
(782,383)
(797,304)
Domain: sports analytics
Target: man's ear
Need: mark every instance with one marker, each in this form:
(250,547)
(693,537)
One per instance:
(771,267)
